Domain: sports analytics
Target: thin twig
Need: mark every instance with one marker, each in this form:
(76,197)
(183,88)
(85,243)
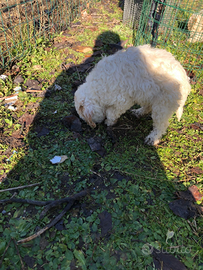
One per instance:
(23,267)
(17,200)
(33,91)
(20,187)
(143,176)
(78,73)
(5,252)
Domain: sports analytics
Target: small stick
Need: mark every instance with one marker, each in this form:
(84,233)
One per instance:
(23,267)
(9,97)
(33,91)
(147,177)
(64,200)
(5,252)
(20,187)
(78,73)
(17,200)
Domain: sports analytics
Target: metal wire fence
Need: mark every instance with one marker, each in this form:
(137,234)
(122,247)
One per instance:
(26,22)
(173,24)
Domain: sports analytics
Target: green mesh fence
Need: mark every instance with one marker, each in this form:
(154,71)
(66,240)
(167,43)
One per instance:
(26,22)
(176,25)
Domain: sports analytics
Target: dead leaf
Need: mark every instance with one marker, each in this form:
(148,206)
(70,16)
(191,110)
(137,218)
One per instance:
(37,67)
(201,92)
(196,170)
(92,28)
(84,13)
(183,208)
(197,126)
(17,135)
(105,222)
(3,177)
(195,193)
(83,49)
(88,55)
(27,119)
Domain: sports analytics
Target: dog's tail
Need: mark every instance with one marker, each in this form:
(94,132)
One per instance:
(185,90)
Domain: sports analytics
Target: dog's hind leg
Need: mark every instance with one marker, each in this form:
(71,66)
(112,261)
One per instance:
(179,112)
(160,116)
(141,111)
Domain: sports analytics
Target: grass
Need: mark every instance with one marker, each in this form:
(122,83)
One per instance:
(133,182)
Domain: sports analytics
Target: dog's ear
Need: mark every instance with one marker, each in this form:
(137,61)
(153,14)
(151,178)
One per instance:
(87,112)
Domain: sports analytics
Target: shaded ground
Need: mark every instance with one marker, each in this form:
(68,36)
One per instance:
(125,218)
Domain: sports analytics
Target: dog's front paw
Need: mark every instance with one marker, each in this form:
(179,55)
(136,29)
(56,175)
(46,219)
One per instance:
(136,112)
(151,141)
(110,122)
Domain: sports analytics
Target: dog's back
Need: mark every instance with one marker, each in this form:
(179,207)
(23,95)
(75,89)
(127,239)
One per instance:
(165,70)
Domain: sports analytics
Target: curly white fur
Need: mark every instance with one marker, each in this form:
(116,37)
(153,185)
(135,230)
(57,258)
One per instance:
(142,75)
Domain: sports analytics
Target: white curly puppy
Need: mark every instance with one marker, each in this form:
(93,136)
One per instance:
(142,75)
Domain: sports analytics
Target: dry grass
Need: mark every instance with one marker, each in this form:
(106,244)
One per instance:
(20,23)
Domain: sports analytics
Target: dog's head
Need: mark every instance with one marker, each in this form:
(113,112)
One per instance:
(85,111)
(84,106)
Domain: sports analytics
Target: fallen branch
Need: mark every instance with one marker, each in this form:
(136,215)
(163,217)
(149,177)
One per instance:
(20,187)
(69,200)
(51,224)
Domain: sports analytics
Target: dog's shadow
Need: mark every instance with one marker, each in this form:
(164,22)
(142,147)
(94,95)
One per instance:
(106,44)
(125,151)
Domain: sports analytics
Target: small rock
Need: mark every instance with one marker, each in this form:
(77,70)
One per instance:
(76,126)
(37,67)
(33,84)
(3,77)
(42,131)
(73,123)
(95,145)
(19,79)
(57,87)
(183,208)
